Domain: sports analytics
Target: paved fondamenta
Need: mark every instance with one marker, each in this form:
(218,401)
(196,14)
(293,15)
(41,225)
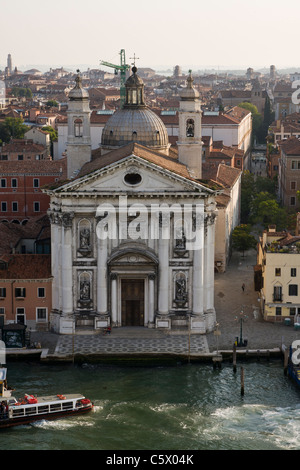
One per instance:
(108,344)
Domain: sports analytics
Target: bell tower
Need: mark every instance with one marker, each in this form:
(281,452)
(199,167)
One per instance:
(190,135)
(79,134)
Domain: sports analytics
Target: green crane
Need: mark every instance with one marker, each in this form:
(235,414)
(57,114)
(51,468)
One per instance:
(123,67)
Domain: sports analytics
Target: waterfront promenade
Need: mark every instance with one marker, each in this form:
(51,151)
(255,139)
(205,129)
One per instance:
(230,301)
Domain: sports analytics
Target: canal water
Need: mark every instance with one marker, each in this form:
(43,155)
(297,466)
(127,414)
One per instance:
(184,407)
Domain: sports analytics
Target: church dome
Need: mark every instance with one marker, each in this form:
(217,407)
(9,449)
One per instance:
(135,122)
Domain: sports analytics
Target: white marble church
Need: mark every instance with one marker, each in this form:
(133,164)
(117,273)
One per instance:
(133,230)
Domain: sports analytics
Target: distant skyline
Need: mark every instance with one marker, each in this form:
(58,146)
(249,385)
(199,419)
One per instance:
(235,34)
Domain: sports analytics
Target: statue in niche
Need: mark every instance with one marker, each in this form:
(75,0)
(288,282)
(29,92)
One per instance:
(85,239)
(181,293)
(85,290)
(180,240)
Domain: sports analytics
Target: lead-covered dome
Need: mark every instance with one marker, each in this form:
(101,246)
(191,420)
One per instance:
(135,122)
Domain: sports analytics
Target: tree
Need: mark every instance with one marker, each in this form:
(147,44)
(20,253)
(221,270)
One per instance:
(266,211)
(242,240)
(247,193)
(257,119)
(12,128)
(52,103)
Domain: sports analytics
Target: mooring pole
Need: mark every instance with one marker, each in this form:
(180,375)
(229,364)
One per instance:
(234,358)
(242,381)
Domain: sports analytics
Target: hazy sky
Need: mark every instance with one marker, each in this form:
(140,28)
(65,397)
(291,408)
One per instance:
(162,33)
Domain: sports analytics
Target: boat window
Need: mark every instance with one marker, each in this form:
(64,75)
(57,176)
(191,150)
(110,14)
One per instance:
(68,405)
(55,407)
(18,412)
(30,411)
(43,409)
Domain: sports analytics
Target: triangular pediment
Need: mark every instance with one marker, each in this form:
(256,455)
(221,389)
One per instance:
(138,171)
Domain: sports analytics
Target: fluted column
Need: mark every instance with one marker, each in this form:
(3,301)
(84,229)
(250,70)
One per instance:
(67,265)
(102,276)
(163,255)
(151,302)
(198,266)
(114,298)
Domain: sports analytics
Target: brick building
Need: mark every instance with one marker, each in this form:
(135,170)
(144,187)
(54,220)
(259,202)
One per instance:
(20,187)
(23,150)
(25,290)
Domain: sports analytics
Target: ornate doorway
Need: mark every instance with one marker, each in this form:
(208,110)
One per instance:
(133,302)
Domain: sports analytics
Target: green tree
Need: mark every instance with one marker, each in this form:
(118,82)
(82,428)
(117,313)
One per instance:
(265,210)
(242,240)
(52,103)
(247,193)
(12,128)
(257,120)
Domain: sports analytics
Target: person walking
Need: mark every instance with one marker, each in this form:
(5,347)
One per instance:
(243,287)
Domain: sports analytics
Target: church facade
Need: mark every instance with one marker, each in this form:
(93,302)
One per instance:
(133,232)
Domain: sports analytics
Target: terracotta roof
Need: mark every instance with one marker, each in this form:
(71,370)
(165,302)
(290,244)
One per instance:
(290,146)
(27,267)
(35,167)
(140,151)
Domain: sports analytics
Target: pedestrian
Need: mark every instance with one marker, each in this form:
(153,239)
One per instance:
(243,287)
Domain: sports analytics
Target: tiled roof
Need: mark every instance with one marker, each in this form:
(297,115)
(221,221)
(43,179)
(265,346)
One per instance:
(27,267)
(35,167)
(290,146)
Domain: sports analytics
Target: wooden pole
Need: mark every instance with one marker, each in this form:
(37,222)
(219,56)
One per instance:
(234,358)
(242,381)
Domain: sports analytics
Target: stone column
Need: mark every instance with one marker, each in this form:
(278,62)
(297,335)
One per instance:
(198,266)
(67,264)
(151,302)
(163,255)
(209,261)
(102,276)
(114,298)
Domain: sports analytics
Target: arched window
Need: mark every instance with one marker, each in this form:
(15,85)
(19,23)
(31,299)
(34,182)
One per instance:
(78,128)
(190,128)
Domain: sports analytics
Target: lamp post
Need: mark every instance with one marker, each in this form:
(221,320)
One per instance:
(243,317)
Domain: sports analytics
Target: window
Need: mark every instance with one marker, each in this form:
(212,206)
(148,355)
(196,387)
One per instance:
(41,314)
(278,311)
(41,292)
(293,184)
(277,294)
(292,201)
(36,207)
(2,292)
(4,206)
(20,292)
(14,207)
(21,316)
(277,272)
(293,289)
(3,183)
(14,183)
(78,128)
(20,157)
(295,164)
(293,272)
(190,128)
(293,311)
(3,157)
(36,183)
